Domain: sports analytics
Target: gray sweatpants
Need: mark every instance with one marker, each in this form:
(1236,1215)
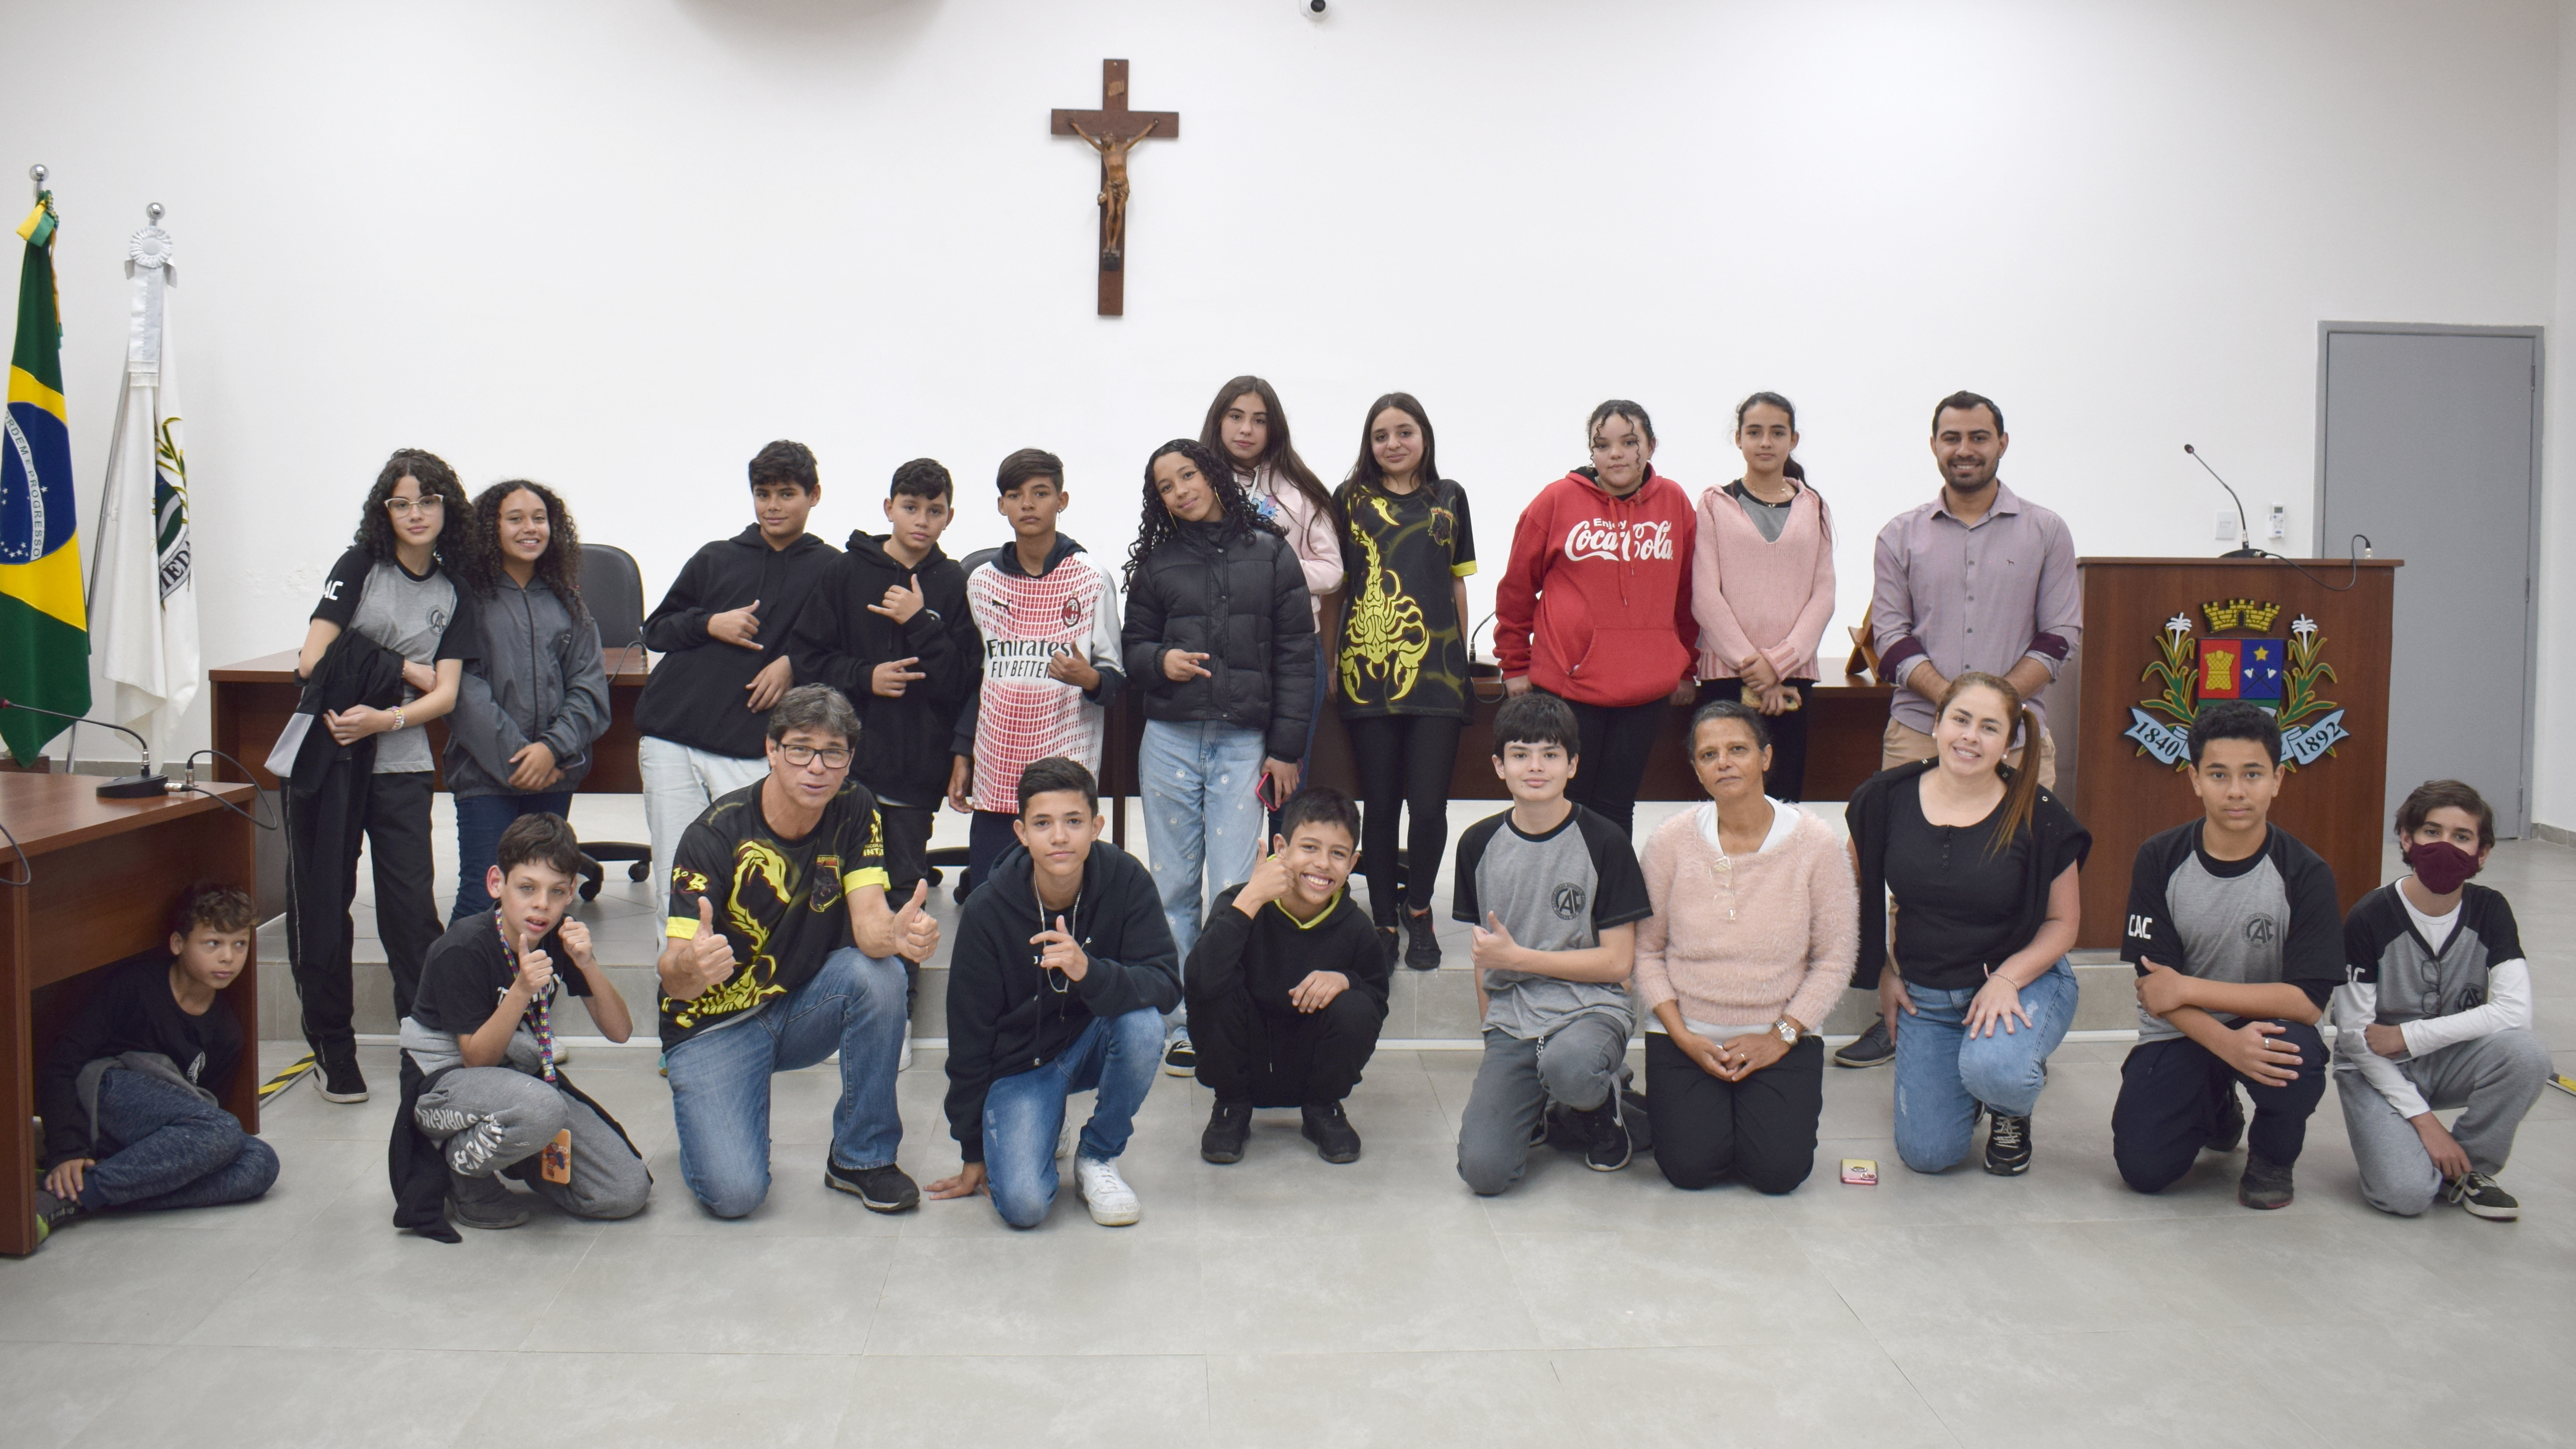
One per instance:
(1576,1065)
(491,1117)
(2496,1077)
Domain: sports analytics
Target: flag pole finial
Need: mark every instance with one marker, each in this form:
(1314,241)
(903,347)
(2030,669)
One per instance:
(152,213)
(37,174)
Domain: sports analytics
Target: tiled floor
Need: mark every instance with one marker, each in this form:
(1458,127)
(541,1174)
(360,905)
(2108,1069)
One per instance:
(1286,1301)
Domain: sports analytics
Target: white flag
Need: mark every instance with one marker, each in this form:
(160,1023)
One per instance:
(143,597)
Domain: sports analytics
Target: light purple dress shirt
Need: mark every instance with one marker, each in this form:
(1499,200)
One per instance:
(1981,596)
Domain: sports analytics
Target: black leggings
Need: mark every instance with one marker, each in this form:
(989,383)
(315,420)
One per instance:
(1762,1129)
(1404,761)
(1617,742)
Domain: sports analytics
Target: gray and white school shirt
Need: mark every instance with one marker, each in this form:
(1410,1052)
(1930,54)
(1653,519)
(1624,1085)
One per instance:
(2270,917)
(1553,892)
(407,615)
(2463,979)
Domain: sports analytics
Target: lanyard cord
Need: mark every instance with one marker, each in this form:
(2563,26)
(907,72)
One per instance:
(543,1027)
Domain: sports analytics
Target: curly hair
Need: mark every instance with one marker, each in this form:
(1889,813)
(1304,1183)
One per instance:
(375,533)
(1235,514)
(559,566)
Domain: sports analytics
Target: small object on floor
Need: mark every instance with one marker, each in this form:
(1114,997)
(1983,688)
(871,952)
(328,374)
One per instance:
(1066,1136)
(2231,1124)
(887,1189)
(285,1079)
(2563,1082)
(2478,1193)
(1609,1148)
(482,1202)
(1112,1202)
(1872,1048)
(1422,948)
(1180,1059)
(1860,1171)
(52,1212)
(341,1081)
(1335,1139)
(2265,1185)
(903,1059)
(2007,1144)
(1229,1127)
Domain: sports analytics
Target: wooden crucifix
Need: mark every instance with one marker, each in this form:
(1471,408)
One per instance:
(1113,131)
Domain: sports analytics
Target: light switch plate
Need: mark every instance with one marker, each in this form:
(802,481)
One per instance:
(2280,528)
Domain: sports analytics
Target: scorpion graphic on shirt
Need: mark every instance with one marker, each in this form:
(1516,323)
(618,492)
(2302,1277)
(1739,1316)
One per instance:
(1384,635)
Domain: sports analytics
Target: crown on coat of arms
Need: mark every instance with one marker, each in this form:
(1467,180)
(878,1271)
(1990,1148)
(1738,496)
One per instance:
(2239,614)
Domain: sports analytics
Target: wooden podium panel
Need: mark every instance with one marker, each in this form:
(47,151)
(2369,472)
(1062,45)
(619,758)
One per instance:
(2163,636)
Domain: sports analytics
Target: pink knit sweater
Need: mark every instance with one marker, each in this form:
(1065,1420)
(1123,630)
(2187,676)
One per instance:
(1751,594)
(1788,947)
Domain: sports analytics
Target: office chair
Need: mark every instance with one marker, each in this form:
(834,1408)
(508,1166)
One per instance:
(612,588)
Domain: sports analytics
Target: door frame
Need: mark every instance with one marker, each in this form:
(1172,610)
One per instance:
(2519,824)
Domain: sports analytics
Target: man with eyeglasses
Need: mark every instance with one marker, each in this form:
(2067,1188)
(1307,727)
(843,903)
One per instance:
(782,949)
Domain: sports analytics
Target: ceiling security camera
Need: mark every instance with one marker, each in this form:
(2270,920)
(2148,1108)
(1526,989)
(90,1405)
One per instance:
(1314,9)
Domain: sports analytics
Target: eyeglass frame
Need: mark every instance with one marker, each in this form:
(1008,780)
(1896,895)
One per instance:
(812,754)
(425,502)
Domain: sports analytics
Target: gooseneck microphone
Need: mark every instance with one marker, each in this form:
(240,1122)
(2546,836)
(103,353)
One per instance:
(2244,535)
(145,786)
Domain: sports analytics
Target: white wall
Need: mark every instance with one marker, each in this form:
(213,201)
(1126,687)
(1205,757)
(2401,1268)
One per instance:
(618,246)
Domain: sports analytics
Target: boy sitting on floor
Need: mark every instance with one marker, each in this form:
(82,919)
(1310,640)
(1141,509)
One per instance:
(131,1094)
(481,1036)
(2232,926)
(1287,986)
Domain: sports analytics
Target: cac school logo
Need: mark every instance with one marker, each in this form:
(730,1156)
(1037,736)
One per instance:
(2241,659)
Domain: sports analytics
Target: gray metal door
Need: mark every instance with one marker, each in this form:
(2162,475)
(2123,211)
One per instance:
(2428,441)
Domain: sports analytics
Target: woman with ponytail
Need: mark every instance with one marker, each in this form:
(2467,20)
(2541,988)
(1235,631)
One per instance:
(1982,862)
(1762,586)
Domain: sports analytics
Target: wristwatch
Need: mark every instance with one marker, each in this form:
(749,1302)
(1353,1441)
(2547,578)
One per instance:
(1787,1031)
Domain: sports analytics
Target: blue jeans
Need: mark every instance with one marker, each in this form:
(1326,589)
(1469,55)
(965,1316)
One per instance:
(720,1079)
(1024,1111)
(480,819)
(1203,816)
(1943,1074)
(161,1147)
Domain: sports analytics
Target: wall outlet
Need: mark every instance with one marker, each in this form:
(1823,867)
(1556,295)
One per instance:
(2226,526)
(2279,528)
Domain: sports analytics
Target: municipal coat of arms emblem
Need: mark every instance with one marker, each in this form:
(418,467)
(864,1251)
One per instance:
(2240,657)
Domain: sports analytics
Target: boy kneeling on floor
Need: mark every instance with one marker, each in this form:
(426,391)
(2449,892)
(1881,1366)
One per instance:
(131,1092)
(482,1098)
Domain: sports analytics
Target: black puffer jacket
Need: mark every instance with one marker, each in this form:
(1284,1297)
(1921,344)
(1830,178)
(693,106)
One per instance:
(1243,603)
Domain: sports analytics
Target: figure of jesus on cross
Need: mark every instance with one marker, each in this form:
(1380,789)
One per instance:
(1113,190)
(1113,131)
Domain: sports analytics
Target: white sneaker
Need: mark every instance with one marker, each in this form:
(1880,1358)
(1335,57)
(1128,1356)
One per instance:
(1066,1136)
(1113,1203)
(563,1051)
(903,1063)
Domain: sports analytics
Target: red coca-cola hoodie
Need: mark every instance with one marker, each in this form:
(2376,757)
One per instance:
(1596,604)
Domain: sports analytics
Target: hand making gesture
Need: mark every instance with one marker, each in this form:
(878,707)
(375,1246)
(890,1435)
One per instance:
(710,959)
(919,934)
(900,603)
(890,678)
(738,627)
(1058,952)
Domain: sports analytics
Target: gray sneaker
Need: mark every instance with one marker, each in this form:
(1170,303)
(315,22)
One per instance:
(482,1202)
(2478,1194)
(2265,1185)
(1872,1048)
(52,1212)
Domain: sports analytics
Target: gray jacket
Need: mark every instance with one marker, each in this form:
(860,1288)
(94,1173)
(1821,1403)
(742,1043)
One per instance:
(539,679)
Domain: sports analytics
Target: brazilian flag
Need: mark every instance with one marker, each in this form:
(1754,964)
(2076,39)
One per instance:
(44,627)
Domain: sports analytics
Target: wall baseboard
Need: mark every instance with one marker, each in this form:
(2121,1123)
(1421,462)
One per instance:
(2554,834)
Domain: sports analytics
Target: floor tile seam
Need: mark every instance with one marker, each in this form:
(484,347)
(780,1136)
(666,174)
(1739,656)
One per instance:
(537,1319)
(1957,1437)
(268,1258)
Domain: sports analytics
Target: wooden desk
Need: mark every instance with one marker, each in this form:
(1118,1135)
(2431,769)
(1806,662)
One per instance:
(106,873)
(255,698)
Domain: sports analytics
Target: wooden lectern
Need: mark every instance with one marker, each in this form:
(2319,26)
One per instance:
(2163,636)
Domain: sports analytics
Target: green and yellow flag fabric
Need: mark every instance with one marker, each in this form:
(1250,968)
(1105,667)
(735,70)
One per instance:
(44,627)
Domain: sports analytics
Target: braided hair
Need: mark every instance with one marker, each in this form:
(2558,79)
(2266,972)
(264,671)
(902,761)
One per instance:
(1236,516)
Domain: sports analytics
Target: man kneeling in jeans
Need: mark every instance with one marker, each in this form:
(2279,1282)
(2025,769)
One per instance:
(1063,969)
(783,951)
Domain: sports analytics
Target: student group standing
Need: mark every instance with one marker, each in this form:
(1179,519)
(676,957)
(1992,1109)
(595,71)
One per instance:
(813,707)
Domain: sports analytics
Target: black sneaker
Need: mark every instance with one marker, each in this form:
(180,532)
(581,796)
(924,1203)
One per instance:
(1334,1138)
(2265,1185)
(2007,1144)
(887,1189)
(339,1080)
(1180,1059)
(1608,1148)
(1872,1048)
(52,1212)
(1390,944)
(1228,1128)
(1422,948)
(2231,1130)
(482,1202)
(2478,1193)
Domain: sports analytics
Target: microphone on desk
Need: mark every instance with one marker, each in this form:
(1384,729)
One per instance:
(2244,535)
(145,786)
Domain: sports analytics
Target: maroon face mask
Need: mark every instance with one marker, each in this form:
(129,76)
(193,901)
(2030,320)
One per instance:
(2440,865)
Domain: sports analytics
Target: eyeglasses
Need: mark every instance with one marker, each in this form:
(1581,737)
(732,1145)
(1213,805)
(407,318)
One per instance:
(406,507)
(803,755)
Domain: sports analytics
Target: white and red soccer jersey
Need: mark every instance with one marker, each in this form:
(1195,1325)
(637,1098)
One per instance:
(1023,714)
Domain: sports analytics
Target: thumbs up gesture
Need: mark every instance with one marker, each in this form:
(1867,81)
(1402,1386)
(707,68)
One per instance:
(1057,951)
(536,973)
(919,934)
(1495,950)
(710,951)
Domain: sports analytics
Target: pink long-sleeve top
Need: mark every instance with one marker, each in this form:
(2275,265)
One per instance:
(1743,940)
(1753,595)
(1310,533)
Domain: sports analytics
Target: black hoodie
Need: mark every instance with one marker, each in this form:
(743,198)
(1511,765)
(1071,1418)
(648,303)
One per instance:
(1007,1016)
(696,695)
(903,745)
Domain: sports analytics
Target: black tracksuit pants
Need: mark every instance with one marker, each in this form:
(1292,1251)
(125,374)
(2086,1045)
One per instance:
(1404,762)
(324,829)
(2172,1094)
(1283,1058)
(1762,1129)
(1618,740)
